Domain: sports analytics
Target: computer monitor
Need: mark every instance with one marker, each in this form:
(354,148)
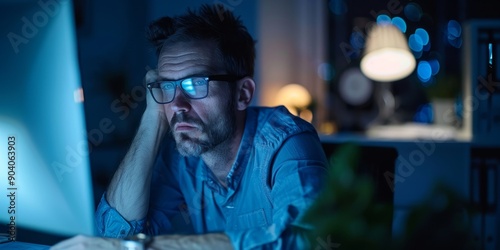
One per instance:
(45,181)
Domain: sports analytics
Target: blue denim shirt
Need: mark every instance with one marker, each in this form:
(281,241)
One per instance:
(278,172)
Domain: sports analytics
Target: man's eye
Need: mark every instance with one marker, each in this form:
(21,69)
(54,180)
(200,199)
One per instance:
(167,85)
(198,82)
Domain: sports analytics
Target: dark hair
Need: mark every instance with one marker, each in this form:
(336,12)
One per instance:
(234,45)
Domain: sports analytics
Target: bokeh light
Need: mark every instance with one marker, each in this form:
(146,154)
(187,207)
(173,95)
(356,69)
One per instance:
(424,114)
(454,28)
(424,71)
(454,31)
(424,36)
(435,66)
(415,43)
(326,71)
(383,19)
(455,42)
(413,12)
(400,23)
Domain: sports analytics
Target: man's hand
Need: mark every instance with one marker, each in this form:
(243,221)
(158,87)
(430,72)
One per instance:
(173,242)
(81,242)
(191,242)
(153,108)
(128,191)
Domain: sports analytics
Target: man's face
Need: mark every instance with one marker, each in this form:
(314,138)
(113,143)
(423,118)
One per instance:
(197,125)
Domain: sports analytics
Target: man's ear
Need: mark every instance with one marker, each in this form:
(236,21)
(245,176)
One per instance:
(245,91)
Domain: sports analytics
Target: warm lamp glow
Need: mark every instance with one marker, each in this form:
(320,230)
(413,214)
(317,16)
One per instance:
(295,98)
(387,56)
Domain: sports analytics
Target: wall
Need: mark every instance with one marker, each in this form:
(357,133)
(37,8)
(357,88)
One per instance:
(292,40)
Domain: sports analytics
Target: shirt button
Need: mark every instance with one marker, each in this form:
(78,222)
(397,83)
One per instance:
(122,232)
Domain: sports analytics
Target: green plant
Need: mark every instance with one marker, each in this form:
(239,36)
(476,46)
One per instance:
(346,214)
(447,86)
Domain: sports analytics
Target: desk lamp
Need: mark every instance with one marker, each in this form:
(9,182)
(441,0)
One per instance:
(296,99)
(386,58)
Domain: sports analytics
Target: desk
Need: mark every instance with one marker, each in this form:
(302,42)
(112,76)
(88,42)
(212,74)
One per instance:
(22,246)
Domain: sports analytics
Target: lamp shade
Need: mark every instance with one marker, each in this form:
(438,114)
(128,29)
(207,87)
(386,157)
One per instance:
(293,96)
(387,57)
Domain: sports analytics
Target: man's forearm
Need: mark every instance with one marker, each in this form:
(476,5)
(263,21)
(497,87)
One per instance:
(205,241)
(129,189)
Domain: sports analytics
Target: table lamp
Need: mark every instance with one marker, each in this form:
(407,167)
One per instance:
(296,99)
(386,58)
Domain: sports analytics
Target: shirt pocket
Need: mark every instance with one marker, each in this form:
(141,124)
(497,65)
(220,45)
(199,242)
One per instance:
(253,219)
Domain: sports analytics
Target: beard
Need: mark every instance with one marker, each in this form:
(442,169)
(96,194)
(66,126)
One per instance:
(216,131)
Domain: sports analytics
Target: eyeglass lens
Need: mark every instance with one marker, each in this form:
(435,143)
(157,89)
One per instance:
(195,88)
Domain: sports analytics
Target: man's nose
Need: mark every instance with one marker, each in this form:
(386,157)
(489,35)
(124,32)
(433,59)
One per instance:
(180,103)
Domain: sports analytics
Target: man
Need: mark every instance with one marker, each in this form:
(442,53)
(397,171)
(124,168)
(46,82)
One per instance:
(206,170)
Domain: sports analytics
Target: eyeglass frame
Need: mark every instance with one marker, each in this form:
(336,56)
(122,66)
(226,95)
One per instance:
(208,79)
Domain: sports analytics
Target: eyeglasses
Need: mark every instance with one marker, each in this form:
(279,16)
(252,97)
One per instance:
(193,87)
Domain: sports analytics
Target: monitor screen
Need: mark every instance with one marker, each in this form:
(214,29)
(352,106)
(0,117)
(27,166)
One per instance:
(45,180)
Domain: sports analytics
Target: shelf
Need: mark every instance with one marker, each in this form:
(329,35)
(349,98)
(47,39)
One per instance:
(399,134)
